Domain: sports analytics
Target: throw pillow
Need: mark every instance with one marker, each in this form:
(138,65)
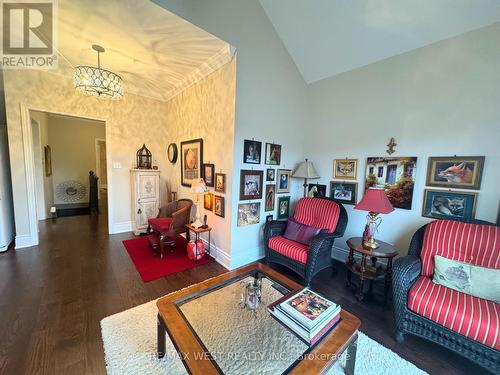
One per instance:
(466,278)
(298,232)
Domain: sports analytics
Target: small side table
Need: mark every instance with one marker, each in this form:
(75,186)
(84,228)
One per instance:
(369,272)
(197,232)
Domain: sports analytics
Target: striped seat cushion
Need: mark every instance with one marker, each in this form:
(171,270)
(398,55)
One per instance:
(289,248)
(473,317)
(319,213)
(470,243)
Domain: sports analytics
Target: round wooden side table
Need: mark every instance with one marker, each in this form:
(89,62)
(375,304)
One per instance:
(366,271)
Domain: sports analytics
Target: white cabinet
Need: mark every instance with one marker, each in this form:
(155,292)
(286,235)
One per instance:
(145,197)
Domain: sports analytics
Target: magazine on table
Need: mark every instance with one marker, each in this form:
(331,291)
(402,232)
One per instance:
(309,308)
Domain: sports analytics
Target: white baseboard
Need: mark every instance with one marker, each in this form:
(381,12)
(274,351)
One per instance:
(124,226)
(220,256)
(25,240)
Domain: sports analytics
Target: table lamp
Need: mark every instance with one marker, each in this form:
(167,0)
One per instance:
(374,201)
(198,187)
(305,170)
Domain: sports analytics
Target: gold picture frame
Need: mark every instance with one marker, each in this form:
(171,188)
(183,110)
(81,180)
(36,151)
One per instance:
(346,169)
(462,172)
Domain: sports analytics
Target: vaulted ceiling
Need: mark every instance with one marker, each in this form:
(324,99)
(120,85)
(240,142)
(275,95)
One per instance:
(328,37)
(157,53)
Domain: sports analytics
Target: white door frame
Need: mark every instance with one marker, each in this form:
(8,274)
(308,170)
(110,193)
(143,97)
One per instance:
(29,168)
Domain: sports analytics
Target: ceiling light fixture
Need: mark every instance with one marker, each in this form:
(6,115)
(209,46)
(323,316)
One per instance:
(97,81)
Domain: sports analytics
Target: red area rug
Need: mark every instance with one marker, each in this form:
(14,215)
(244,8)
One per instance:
(153,267)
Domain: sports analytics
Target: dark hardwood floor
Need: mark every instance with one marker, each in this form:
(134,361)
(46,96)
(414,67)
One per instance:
(53,296)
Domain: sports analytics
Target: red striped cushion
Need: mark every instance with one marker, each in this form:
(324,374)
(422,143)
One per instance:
(288,248)
(470,243)
(319,213)
(474,317)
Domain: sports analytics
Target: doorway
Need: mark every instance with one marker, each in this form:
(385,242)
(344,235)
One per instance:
(69,162)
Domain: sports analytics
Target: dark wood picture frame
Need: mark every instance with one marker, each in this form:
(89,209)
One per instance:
(246,184)
(320,190)
(208,201)
(209,177)
(446,171)
(195,173)
(270,174)
(440,210)
(273,154)
(222,204)
(220,187)
(283,215)
(256,157)
(270,197)
(342,197)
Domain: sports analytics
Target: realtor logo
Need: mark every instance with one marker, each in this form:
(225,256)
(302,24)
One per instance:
(28,34)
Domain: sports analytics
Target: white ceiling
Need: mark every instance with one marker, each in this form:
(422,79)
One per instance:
(157,53)
(328,37)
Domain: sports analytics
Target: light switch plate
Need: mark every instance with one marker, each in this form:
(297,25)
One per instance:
(117,165)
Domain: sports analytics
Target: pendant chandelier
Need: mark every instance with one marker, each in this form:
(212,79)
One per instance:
(97,81)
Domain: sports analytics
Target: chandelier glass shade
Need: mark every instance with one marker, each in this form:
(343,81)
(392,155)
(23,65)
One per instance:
(96,81)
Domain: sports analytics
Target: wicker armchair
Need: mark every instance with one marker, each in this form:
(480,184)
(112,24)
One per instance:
(170,221)
(407,273)
(319,252)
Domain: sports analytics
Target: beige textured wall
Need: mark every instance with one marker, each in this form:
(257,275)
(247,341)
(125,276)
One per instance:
(206,110)
(130,122)
(72,141)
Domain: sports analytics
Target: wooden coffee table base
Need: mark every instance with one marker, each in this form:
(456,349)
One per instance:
(317,360)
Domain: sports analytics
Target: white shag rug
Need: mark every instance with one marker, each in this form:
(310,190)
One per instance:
(130,348)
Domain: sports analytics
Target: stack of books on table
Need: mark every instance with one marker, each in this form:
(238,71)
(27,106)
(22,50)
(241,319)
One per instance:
(307,314)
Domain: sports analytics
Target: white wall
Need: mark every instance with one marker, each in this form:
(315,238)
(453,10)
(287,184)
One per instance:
(45,189)
(72,142)
(130,122)
(439,100)
(270,97)
(206,110)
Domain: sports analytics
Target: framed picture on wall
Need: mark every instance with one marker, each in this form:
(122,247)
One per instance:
(219,205)
(208,174)
(273,154)
(271,174)
(449,204)
(463,172)
(283,207)
(270,197)
(344,192)
(47,151)
(220,182)
(248,214)
(283,183)
(191,161)
(316,190)
(346,169)
(251,151)
(396,175)
(251,184)
(208,201)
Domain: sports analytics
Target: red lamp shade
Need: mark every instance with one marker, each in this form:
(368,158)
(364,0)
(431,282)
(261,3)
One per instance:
(375,200)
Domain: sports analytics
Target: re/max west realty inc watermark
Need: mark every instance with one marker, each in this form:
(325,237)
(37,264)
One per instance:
(29,34)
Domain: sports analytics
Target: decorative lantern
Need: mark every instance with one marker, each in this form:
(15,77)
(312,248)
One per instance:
(144,158)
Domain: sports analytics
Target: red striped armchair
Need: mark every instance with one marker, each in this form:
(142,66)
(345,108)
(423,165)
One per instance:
(464,323)
(305,260)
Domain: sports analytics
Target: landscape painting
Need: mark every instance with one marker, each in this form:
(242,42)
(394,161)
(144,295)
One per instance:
(396,175)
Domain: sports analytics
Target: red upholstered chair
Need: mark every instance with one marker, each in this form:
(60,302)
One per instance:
(170,221)
(305,260)
(463,323)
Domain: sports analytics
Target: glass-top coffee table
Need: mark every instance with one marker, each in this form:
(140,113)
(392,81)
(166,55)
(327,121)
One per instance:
(214,332)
